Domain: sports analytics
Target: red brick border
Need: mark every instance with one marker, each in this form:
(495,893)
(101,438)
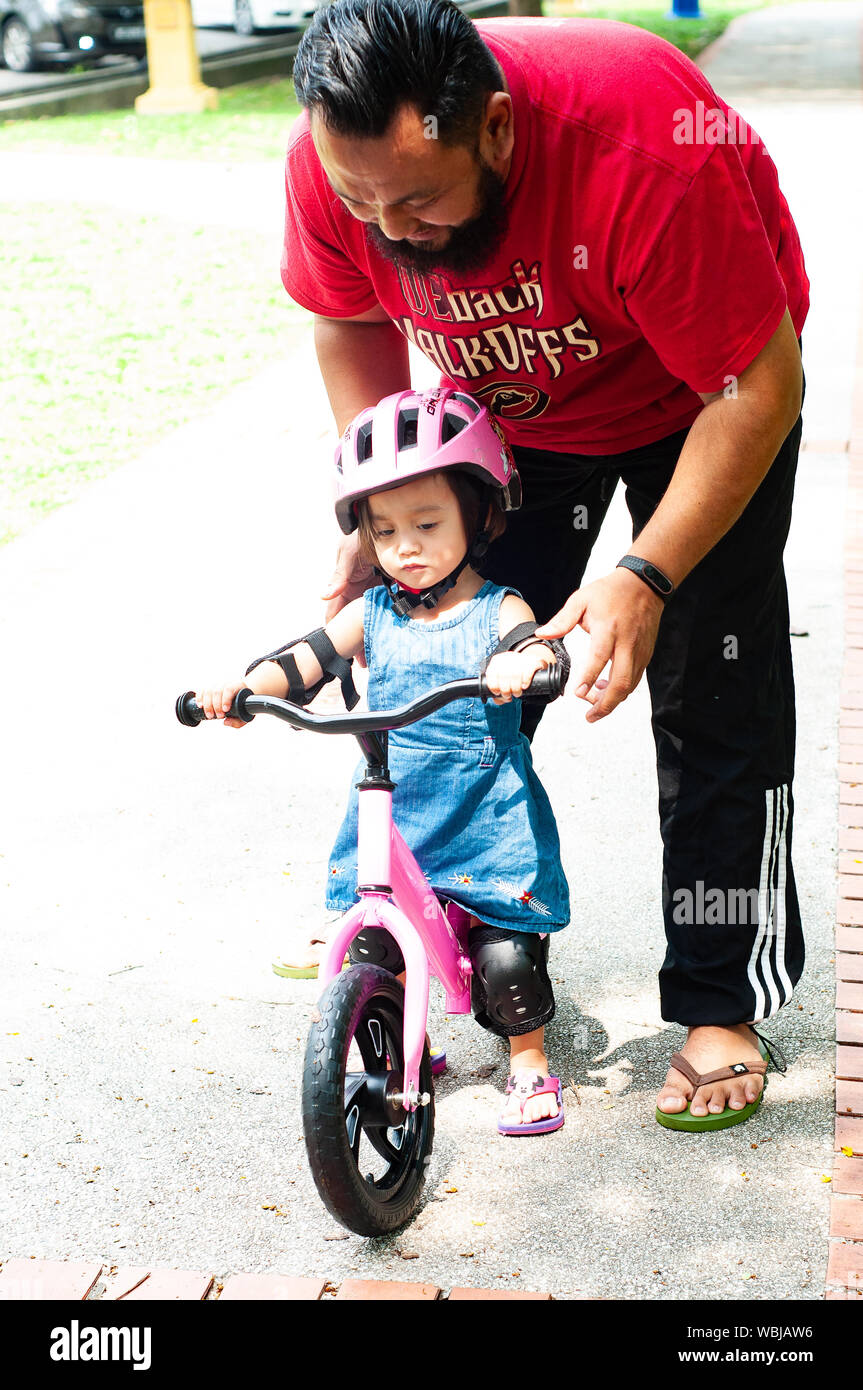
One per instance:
(845,1260)
(34,1280)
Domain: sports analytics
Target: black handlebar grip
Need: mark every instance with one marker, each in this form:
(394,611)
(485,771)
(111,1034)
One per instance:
(550,682)
(189,712)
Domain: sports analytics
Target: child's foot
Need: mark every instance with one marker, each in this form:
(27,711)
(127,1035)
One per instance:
(534,1102)
(523,1106)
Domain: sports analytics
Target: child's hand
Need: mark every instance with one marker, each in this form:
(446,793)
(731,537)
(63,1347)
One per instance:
(510,673)
(216,703)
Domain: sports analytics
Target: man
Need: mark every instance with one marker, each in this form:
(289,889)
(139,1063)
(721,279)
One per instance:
(566,219)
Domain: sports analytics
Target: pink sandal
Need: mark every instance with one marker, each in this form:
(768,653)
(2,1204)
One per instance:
(533,1084)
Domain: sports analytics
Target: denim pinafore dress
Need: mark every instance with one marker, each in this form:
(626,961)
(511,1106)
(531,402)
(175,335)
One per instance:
(467,799)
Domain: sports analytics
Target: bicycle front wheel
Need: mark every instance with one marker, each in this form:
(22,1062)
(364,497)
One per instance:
(368,1156)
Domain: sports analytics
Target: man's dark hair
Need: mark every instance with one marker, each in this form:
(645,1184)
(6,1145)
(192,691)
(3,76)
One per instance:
(359,61)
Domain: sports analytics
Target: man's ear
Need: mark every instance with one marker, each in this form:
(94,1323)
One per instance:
(497,135)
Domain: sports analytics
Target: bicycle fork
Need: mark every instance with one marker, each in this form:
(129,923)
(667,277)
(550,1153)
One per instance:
(395,895)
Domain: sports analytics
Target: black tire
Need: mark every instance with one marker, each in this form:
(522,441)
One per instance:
(360,1017)
(244,19)
(17,48)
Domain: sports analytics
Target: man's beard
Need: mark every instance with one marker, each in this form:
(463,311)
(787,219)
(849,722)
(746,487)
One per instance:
(469,246)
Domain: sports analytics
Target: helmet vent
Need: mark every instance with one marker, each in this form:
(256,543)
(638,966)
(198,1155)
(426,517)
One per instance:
(408,428)
(469,401)
(452,425)
(339,468)
(364,442)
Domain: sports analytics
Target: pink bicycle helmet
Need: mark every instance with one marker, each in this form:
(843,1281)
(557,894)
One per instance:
(411,433)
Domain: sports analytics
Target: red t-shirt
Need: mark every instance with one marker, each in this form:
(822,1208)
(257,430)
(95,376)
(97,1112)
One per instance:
(650,253)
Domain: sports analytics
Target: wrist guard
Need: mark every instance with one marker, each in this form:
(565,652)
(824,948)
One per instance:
(334,667)
(522,636)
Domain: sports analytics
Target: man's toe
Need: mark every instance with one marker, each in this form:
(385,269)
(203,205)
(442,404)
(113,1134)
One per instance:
(674,1095)
(671,1103)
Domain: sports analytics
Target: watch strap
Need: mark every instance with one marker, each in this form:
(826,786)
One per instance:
(650,574)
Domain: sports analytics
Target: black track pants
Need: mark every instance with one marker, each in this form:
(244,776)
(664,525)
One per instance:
(722,694)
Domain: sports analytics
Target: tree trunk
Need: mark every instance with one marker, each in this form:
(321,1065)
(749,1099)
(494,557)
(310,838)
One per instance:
(525,7)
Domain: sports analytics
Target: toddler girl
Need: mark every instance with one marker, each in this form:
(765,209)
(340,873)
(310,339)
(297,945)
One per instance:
(427,479)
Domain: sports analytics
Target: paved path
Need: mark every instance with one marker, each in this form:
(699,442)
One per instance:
(150,1060)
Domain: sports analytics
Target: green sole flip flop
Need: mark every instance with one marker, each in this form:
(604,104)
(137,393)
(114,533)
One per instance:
(295,972)
(696,1124)
(300,972)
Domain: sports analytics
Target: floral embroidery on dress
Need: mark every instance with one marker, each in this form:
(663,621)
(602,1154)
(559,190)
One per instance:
(524,895)
(462,878)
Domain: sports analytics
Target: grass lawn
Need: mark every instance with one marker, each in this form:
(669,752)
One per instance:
(106,346)
(252,122)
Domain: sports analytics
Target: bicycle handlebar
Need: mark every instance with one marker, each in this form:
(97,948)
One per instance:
(549,681)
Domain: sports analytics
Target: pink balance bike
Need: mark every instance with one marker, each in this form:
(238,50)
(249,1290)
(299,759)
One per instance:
(368,1099)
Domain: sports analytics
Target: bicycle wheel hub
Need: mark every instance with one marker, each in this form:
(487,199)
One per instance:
(384,1101)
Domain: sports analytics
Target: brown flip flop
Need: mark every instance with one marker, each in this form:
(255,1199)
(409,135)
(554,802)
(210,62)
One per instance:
(694,1124)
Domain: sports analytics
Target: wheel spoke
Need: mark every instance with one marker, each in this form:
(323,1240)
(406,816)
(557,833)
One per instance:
(354,1083)
(358,1120)
(386,1146)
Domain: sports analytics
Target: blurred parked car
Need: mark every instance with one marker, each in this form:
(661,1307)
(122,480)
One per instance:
(248,16)
(37,32)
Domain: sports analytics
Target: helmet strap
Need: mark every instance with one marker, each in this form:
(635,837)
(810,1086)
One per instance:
(406,600)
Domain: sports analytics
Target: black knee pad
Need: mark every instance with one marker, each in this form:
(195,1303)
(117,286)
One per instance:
(510,989)
(376,946)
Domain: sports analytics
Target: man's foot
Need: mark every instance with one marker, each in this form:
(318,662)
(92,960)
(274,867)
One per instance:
(301,959)
(708,1049)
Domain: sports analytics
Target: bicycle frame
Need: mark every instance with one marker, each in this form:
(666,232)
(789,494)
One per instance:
(395,895)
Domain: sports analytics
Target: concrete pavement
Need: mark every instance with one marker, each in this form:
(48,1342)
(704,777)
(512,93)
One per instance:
(149,1072)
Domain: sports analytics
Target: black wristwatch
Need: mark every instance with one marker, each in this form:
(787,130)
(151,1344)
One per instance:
(653,577)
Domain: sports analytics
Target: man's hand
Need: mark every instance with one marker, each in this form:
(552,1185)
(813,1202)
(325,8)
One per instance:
(622,615)
(350,579)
